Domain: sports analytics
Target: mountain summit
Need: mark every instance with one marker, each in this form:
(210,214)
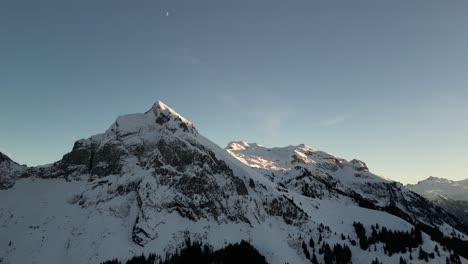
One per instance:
(452,196)
(151,182)
(165,114)
(434,187)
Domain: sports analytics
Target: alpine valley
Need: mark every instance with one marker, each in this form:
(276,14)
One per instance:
(151,183)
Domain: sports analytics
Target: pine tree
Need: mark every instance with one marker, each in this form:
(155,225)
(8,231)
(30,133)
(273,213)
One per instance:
(423,254)
(436,249)
(306,251)
(311,243)
(314,259)
(402,261)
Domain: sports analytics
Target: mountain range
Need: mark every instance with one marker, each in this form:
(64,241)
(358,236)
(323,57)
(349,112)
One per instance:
(151,182)
(452,196)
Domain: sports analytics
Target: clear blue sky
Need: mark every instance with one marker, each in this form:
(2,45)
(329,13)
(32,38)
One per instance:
(382,81)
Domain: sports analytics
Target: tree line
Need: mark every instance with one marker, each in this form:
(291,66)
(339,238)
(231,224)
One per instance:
(196,252)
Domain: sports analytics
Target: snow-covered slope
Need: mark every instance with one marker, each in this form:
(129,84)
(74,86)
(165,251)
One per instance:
(433,188)
(151,181)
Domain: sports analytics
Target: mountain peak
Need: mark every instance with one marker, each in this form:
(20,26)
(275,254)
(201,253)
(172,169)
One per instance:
(433,178)
(434,187)
(4,157)
(159,116)
(7,159)
(240,145)
(152,179)
(436,180)
(164,114)
(162,106)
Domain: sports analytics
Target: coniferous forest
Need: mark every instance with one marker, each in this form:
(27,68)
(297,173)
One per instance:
(196,252)
(400,242)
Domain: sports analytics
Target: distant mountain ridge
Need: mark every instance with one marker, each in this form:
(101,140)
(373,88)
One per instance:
(151,181)
(449,195)
(434,187)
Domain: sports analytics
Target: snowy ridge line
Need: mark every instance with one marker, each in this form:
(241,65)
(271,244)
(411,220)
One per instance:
(151,181)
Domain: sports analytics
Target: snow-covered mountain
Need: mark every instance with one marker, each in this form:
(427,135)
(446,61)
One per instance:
(151,181)
(9,171)
(318,174)
(433,188)
(450,195)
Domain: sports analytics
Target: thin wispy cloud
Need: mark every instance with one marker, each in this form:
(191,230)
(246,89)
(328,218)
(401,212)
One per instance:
(334,120)
(272,120)
(187,57)
(263,108)
(182,56)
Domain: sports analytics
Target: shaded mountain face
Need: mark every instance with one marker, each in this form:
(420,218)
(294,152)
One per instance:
(452,196)
(458,208)
(151,181)
(9,171)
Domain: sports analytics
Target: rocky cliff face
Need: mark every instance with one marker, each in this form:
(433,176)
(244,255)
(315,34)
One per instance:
(9,171)
(160,157)
(321,175)
(156,181)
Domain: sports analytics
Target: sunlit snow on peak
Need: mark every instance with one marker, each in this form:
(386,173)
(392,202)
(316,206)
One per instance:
(160,107)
